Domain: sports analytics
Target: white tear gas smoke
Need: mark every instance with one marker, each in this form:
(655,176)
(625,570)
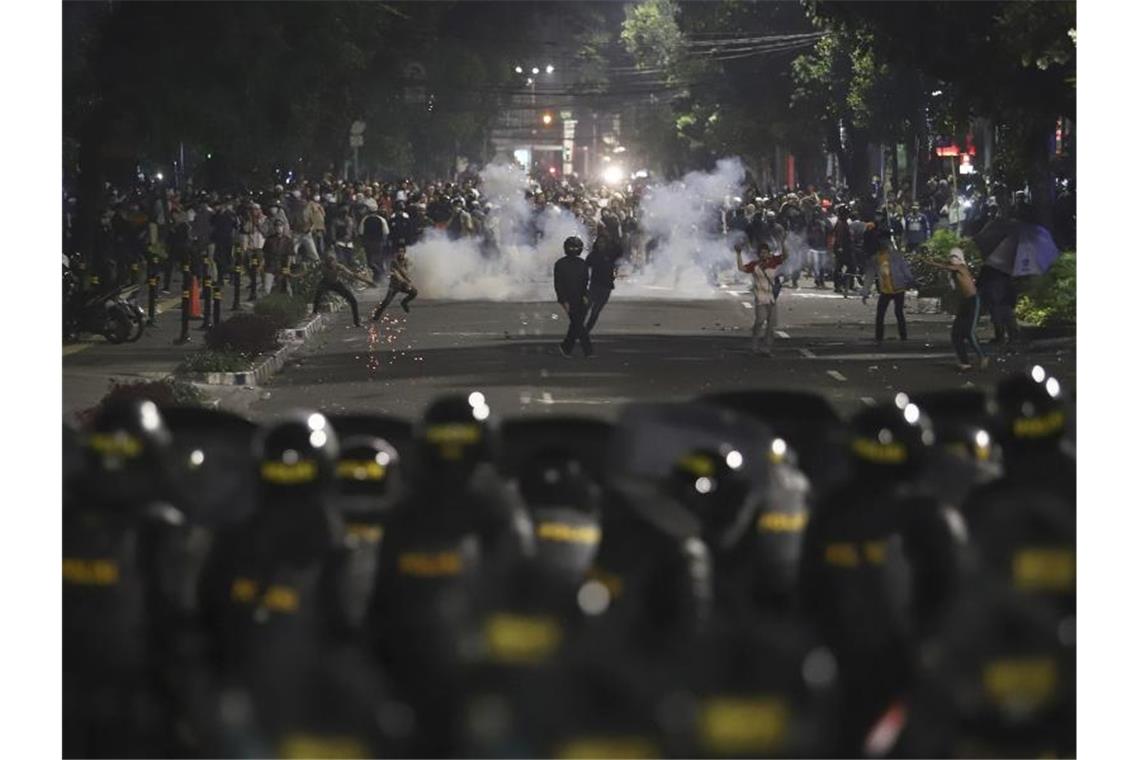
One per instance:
(686,250)
(681,227)
(527,247)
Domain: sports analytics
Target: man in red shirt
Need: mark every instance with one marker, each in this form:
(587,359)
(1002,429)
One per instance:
(763,270)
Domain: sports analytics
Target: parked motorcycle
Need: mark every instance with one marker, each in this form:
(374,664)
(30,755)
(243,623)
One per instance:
(111,313)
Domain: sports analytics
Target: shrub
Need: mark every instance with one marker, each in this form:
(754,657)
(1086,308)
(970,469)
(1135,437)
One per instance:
(249,334)
(933,282)
(215,361)
(282,310)
(1052,298)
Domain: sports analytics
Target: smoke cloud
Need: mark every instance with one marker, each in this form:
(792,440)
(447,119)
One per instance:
(528,246)
(687,252)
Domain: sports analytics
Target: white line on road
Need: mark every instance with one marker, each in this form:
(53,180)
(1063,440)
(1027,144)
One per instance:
(782,334)
(806,353)
(867,400)
(546,399)
(746,305)
(836,374)
(879,357)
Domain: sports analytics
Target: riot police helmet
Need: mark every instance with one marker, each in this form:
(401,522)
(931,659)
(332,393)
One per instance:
(125,453)
(366,468)
(296,457)
(714,485)
(1031,409)
(556,478)
(454,436)
(891,440)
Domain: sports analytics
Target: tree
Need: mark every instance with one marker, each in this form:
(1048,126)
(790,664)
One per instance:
(1015,63)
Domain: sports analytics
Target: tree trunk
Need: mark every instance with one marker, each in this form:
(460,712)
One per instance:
(1039,170)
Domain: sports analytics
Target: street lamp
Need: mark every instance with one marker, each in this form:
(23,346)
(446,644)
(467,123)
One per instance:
(550,68)
(518,69)
(547,118)
(534,70)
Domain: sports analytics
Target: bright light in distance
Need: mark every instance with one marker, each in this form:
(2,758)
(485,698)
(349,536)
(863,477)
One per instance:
(640,174)
(197,456)
(547,118)
(529,80)
(158,176)
(318,438)
(703,485)
(982,439)
(613,174)
(553,170)
(1052,387)
(550,68)
(209,156)
(619,149)
(1038,373)
(476,399)
(518,69)
(316,422)
(779,447)
(910,414)
(901,400)
(936,93)
(383,458)
(481,412)
(534,70)
(734,459)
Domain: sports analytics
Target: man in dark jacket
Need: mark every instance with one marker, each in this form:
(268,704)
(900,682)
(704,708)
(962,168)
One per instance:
(601,262)
(571,278)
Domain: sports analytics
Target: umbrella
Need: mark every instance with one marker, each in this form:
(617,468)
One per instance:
(1019,249)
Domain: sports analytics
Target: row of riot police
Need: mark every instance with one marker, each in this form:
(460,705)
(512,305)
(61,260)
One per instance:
(746,574)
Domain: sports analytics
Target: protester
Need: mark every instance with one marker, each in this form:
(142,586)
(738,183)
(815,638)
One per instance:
(763,270)
(894,278)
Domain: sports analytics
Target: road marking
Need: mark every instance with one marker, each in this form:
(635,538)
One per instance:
(782,334)
(867,400)
(466,334)
(746,305)
(546,399)
(879,357)
(837,375)
(807,354)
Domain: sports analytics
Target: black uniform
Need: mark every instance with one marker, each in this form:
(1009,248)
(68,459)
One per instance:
(601,262)
(860,546)
(571,280)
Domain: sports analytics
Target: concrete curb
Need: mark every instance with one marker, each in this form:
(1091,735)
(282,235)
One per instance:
(293,338)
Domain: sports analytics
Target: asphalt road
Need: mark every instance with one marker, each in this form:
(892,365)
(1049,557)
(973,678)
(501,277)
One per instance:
(647,349)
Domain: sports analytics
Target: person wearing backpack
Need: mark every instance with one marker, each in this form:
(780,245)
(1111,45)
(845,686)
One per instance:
(374,236)
(764,292)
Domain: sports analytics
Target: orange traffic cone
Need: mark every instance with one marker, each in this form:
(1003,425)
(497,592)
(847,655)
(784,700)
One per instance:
(195,298)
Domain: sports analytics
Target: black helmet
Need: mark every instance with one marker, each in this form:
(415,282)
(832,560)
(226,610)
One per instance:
(891,439)
(366,468)
(296,457)
(556,478)
(1031,409)
(715,487)
(573,245)
(453,437)
(126,454)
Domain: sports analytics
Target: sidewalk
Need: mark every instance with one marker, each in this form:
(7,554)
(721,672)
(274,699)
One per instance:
(90,365)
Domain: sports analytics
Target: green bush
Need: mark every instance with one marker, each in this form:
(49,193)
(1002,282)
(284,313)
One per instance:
(249,334)
(282,310)
(1052,298)
(215,361)
(933,282)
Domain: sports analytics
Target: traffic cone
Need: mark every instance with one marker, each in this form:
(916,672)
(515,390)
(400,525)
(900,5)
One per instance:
(195,298)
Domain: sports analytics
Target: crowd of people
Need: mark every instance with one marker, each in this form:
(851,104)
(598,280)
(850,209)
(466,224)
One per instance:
(741,575)
(848,241)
